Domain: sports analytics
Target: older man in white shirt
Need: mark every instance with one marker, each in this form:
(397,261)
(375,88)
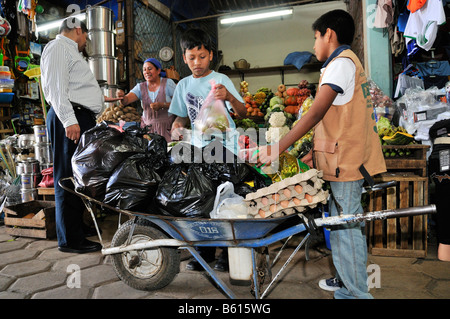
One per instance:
(75,97)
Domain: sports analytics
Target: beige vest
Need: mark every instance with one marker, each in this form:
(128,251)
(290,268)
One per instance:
(347,137)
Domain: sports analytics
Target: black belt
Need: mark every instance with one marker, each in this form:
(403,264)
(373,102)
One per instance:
(81,108)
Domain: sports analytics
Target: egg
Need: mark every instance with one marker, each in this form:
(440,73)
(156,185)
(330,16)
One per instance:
(298,189)
(276,197)
(309,198)
(264,201)
(287,193)
(284,203)
(273,208)
(296,201)
(262,213)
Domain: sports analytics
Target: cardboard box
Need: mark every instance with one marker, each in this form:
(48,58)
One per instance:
(34,219)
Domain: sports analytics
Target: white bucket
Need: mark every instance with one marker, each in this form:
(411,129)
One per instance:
(240,265)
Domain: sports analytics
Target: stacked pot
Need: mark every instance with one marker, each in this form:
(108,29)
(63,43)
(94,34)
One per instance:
(30,176)
(42,147)
(101,48)
(30,169)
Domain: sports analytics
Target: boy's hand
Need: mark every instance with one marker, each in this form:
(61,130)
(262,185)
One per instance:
(221,92)
(265,155)
(307,159)
(178,131)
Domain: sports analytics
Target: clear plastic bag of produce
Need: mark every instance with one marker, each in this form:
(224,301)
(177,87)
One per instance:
(100,150)
(382,104)
(133,184)
(213,115)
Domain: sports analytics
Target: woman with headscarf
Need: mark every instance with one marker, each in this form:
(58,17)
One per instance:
(155,94)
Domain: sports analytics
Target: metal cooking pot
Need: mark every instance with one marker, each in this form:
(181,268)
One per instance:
(40,134)
(105,68)
(30,181)
(101,42)
(28,166)
(25,140)
(99,17)
(29,194)
(45,166)
(43,153)
(109,90)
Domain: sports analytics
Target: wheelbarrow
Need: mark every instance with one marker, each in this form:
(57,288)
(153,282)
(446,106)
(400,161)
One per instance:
(145,254)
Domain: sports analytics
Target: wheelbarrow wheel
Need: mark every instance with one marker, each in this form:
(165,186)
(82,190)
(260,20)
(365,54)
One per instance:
(148,269)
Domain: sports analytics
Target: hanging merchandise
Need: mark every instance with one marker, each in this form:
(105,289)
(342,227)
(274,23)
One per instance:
(22,60)
(5,27)
(384,14)
(423,23)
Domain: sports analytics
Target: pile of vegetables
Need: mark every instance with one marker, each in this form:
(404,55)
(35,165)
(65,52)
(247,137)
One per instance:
(277,127)
(114,113)
(246,123)
(296,96)
(302,146)
(392,135)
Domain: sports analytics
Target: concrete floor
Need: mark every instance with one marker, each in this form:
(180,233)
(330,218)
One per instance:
(35,269)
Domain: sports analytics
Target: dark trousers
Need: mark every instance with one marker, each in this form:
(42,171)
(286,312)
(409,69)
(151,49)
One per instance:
(69,207)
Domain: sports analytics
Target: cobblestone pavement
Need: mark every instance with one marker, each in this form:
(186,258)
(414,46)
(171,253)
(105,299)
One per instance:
(36,269)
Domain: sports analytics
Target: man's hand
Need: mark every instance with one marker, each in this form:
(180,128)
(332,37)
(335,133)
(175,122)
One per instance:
(73,133)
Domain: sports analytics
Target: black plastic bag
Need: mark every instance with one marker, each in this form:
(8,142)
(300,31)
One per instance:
(157,151)
(133,184)
(185,191)
(100,150)
(230,168)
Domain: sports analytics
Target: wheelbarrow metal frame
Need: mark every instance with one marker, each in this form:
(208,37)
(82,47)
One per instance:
(179,228)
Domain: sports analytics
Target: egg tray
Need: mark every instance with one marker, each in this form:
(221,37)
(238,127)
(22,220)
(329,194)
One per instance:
(302,191)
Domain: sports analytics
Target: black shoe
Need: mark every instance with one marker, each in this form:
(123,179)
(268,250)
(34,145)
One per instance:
(221,264)
(86,246)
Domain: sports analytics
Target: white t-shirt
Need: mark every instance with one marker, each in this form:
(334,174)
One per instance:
(340,73)
(422,24)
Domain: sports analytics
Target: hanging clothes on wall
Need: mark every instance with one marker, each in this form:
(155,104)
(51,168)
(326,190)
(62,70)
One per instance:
(408,79)
(423,23)
(415,5)
(384,15)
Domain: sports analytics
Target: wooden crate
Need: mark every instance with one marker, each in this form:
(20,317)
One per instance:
(38,223)
(416,162)
(406,236)
(47,193)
